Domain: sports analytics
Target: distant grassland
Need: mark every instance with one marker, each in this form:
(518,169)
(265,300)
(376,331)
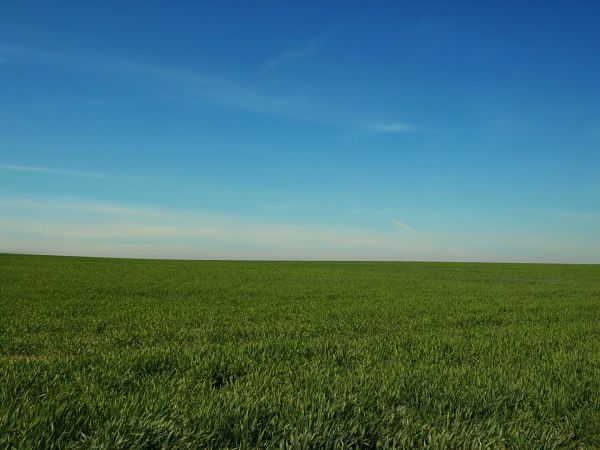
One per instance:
(107,353)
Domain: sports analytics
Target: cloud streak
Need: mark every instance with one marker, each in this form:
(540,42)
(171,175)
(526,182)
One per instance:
(206,88)
(213,89)
(292,55)
(398,127)
(73,205)
(63,172)
(402,225)
(87,223)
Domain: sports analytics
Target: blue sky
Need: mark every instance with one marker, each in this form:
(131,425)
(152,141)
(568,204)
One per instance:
(417,130)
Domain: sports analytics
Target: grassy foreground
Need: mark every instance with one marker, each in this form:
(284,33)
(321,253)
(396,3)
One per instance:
(101,353)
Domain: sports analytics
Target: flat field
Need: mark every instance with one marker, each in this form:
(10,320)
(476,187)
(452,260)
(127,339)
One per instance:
(112,353)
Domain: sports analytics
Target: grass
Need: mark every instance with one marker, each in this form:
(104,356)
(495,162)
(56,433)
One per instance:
(107,353)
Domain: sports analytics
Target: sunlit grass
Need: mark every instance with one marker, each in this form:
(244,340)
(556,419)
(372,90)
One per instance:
(100,353)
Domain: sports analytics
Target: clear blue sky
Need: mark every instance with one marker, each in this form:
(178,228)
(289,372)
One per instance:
(301,130)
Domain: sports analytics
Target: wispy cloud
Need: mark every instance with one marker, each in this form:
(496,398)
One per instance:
(293,54)
(63,172)
(194,86)
(403,225)
(397,127)
(77,205)
(281,235)
(401,128)
(217,90)
(91,222)
(309,48)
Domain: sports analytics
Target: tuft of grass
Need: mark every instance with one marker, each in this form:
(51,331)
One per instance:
(111,353)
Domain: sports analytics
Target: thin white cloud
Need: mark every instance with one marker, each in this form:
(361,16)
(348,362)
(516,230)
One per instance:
(213,89)
(403,225)
(93,221)
(74,205)
(398,127)
(292,55)
(279,235)
(63,172)
(206,88)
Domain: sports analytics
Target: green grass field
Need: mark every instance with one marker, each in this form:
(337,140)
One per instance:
(107,353)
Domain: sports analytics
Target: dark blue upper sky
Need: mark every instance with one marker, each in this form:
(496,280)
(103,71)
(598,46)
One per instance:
(388,130)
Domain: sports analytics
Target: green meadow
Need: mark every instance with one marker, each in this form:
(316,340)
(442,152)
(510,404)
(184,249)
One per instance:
(115,353)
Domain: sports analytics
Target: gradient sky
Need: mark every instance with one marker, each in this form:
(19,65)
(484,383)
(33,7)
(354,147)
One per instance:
(408,130)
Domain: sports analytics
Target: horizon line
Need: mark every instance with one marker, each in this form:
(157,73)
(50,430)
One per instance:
(283,260)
